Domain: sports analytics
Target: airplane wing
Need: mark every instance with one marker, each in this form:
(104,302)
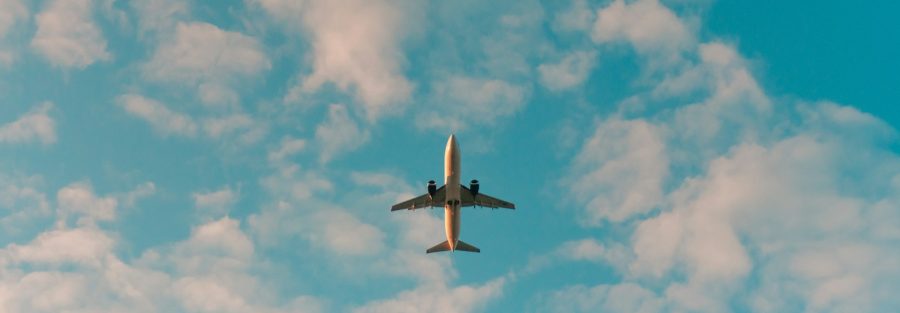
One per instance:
(483,200)
(423,201)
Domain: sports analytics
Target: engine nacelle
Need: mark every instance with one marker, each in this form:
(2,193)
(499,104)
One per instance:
(432,188)
(473,186)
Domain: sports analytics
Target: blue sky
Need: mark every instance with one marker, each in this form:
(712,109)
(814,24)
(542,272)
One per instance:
(241,156)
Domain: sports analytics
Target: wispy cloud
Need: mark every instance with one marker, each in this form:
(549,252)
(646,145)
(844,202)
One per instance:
(339,133)
(161,118)
(36,125)
(363,57)
(67,35)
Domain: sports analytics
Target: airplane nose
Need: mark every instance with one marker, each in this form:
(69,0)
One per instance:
(451,143)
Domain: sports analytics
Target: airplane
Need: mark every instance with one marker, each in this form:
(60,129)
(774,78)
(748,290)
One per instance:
(452,196)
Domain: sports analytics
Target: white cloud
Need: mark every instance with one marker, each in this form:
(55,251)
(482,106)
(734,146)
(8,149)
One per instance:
(339,133)
(570,72)
(464,298)
(620,298)
(288,147)
(619,171)
(577,17)
(78,199)
(86,246)
(159,16)
(651,28)
(240,125)
(21,203)
(214,204)
(344,234)
(36,125)
(362,57)
(471,101)
(206,58)
(12,12)
(67,36)
(778,207)
(141,191)
(161,118)
(299,211)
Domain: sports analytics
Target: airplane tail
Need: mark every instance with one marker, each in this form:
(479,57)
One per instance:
(460,245)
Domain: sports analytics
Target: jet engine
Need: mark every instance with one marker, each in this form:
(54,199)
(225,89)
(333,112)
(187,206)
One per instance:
(473,186)
(432,188)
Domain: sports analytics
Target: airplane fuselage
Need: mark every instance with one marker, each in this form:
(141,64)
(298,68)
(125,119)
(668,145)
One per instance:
(451,180)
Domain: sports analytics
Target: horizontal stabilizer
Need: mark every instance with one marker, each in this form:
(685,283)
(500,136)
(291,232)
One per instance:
(444,246)
(462,246)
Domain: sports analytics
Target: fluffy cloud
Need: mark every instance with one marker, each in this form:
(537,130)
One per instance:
(21,202)
(36,125)
(650,27)
(67,35)
(339,133)
(78,199)
(570,72)
(620,171)
(159,16)
(239,125)
(472,101)
(161,118)
(12,12)
(288,147)
(578,17)
(87,246)
(438,299)
(208,58)
(759,216)
(214,204)
(362,57)
(622,298)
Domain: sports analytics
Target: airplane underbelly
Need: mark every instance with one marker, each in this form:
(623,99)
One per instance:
(451,223)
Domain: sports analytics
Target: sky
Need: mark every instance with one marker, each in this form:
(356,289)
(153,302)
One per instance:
(242,156)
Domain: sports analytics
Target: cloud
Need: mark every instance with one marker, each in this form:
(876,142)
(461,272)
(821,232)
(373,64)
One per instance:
(21,203)
(240,125)
(344,234)
(141,191)
(362,57)
(214,204)
(85,246)
(208,58)
(578,17)
(570,72)
(470,101)
(159,17)
(761,202)
(299,210)
(163,120)
(288,146)
(36,125)
(587,249)
(12,13)
(78,199)
(438,299)
(339,134)
(67,36)
(620,298)
(619,171)
(651,28)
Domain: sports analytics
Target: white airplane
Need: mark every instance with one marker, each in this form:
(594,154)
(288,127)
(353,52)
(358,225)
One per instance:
(452,196)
